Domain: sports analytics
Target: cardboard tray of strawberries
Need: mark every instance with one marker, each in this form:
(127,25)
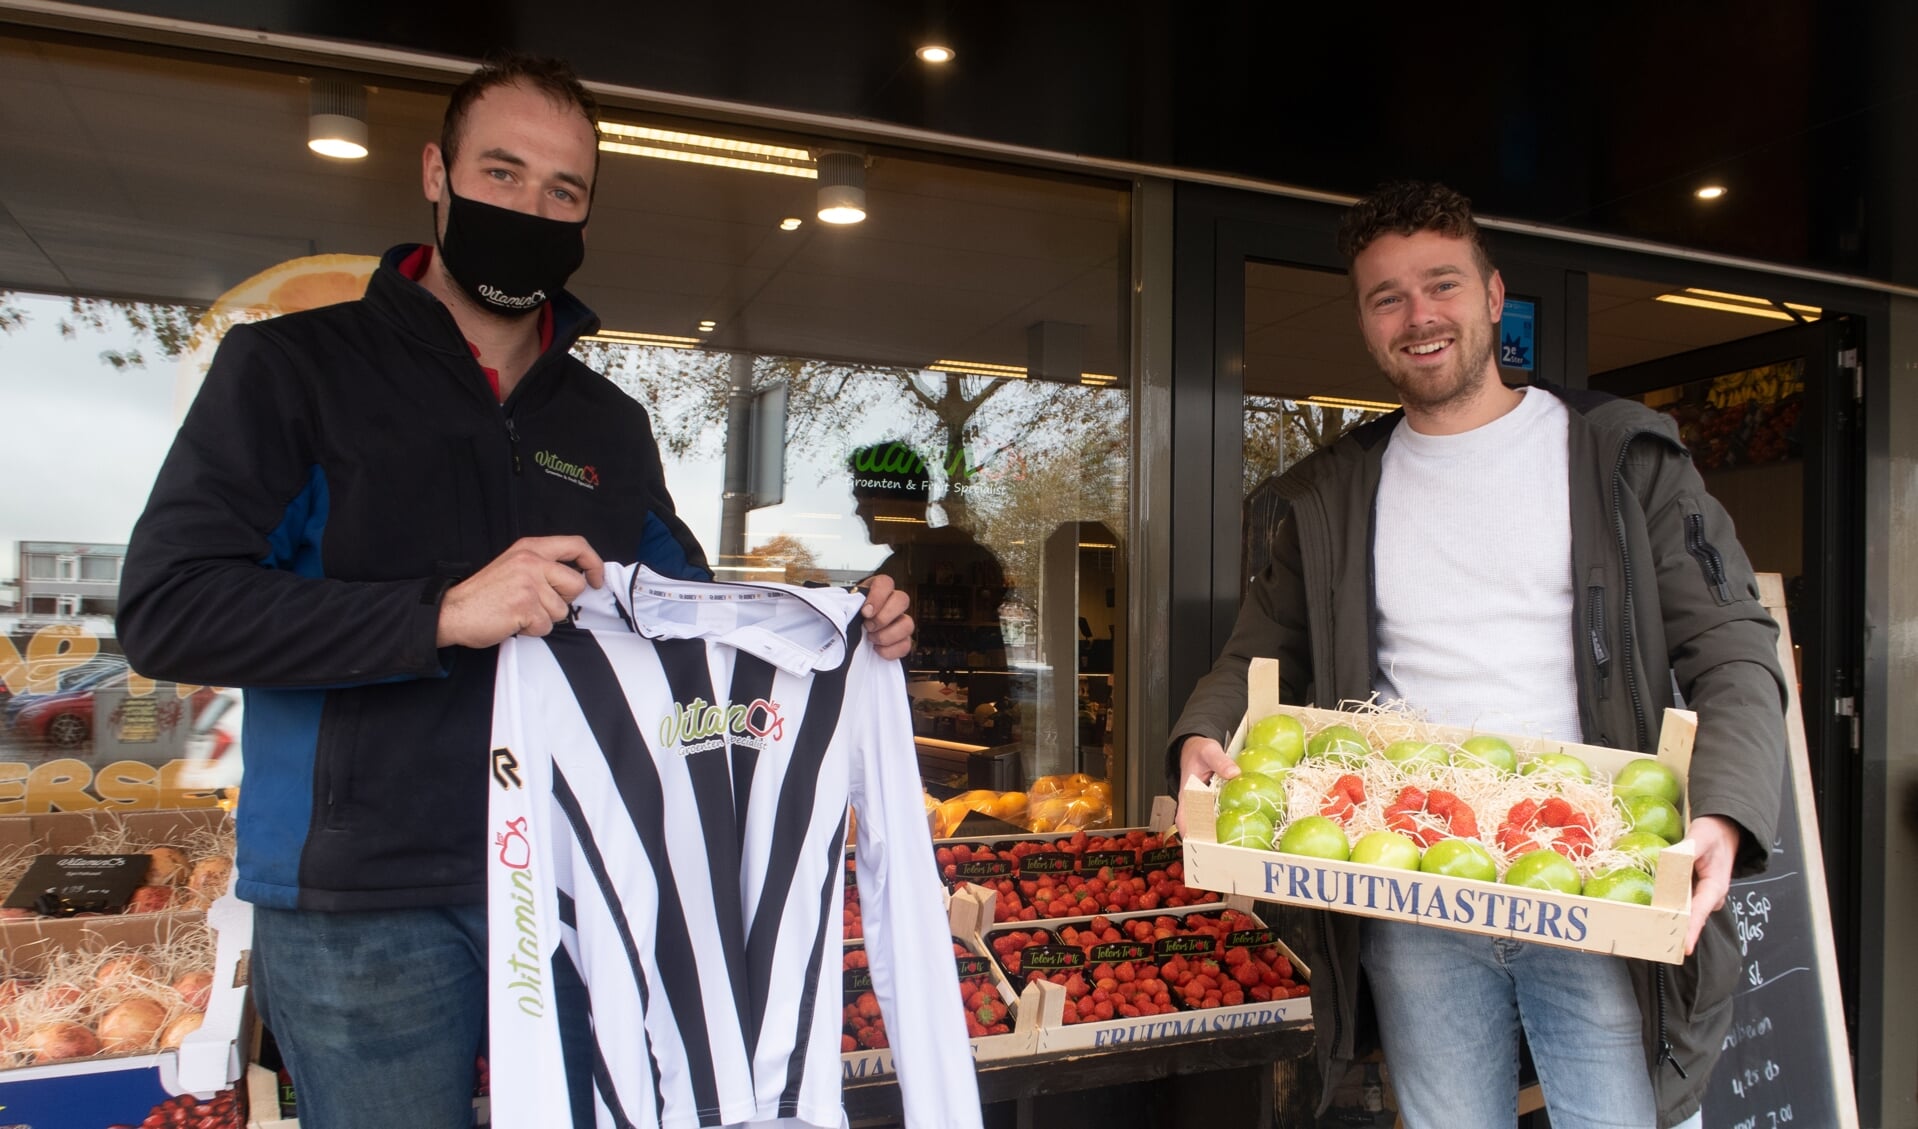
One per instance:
(993,1025)
(1583,820)
(1107,981)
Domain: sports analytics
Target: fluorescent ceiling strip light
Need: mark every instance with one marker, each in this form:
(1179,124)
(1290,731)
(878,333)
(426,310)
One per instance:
(1349,404)
(692,157)
(896,520)
(1097,545)
(646,338)
(1097,378)
(704,141)
(1728,307)
(978,368)
(1761,303)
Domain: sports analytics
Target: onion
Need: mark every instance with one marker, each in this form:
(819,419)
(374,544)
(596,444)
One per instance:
(168,868)
(196,988)
(64,994)
(129,967)
(210,876)
(150,899)
(180,1028)
(12,988)
(132,1025)
(56,1042)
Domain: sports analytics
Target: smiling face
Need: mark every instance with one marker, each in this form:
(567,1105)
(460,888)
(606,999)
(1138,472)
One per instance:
(1430,319)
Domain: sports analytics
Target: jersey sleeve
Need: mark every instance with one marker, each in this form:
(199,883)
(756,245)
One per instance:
(522,914)
(908,941)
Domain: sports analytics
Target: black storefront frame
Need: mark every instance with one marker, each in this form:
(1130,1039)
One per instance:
(1217,231)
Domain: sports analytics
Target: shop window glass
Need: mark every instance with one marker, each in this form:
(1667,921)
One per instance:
(940,393)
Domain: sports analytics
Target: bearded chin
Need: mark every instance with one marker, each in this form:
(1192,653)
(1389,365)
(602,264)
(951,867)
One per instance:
(1454,383)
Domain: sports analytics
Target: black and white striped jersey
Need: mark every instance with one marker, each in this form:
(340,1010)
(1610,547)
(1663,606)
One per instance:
(671,779)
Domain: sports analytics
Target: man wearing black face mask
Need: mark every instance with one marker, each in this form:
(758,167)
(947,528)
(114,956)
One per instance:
(362,503)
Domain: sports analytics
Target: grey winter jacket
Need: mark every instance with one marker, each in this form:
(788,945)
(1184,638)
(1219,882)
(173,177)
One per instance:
(1662,592)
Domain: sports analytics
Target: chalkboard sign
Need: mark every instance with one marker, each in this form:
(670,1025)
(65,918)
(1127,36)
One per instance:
(1785,1062)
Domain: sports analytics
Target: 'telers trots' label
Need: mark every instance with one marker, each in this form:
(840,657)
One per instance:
(1115,952)
(1158,858)
(973,966)
(1094,861)
(1181,946)
(1051,956)
(982,868)
(1250,939)
(1046,862)
(857,980)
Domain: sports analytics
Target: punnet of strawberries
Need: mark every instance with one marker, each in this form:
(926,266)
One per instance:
(1151,965)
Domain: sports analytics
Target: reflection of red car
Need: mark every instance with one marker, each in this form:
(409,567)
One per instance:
(64,719)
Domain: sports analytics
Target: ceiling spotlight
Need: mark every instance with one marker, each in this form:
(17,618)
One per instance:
(1710,192)
(708,325)
(842,186)
(790,223)
(336,124)
(935,53)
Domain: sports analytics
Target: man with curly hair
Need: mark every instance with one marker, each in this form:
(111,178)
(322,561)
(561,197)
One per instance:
(1537,560)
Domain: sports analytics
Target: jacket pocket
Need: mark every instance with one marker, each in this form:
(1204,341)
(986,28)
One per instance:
(333,757)
(1711,562)
(1596,632)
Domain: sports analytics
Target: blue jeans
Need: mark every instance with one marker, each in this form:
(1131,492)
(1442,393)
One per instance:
(380,1015)
(1450,1007)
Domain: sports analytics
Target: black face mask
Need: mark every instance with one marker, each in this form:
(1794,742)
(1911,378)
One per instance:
(509,262)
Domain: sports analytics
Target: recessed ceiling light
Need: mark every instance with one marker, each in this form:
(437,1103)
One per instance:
(935,53)
(707,325)
(790,223)
(1710,192)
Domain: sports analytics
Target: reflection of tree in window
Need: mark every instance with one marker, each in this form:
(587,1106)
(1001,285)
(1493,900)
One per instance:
(1279,433)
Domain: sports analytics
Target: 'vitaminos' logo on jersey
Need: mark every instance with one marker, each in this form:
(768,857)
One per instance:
(527,982)
(701,728)
(574,473)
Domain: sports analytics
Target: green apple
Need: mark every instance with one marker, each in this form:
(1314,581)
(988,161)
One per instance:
(1245,829)
(1264,759)
(1543,869)
(1486,751)
(1254,791)
(1655,815)
(1405,754)
(1642,846)
(1386,848)
(1459,858)
(1281,733)
(1626,884)
(1557,764)
(1648,778)
(1339,744)
(1318,837)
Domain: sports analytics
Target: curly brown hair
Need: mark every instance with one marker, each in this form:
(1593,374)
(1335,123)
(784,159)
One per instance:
(1407,207)
(551,77)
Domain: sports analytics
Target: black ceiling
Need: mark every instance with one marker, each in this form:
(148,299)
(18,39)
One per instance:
(1602,117)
